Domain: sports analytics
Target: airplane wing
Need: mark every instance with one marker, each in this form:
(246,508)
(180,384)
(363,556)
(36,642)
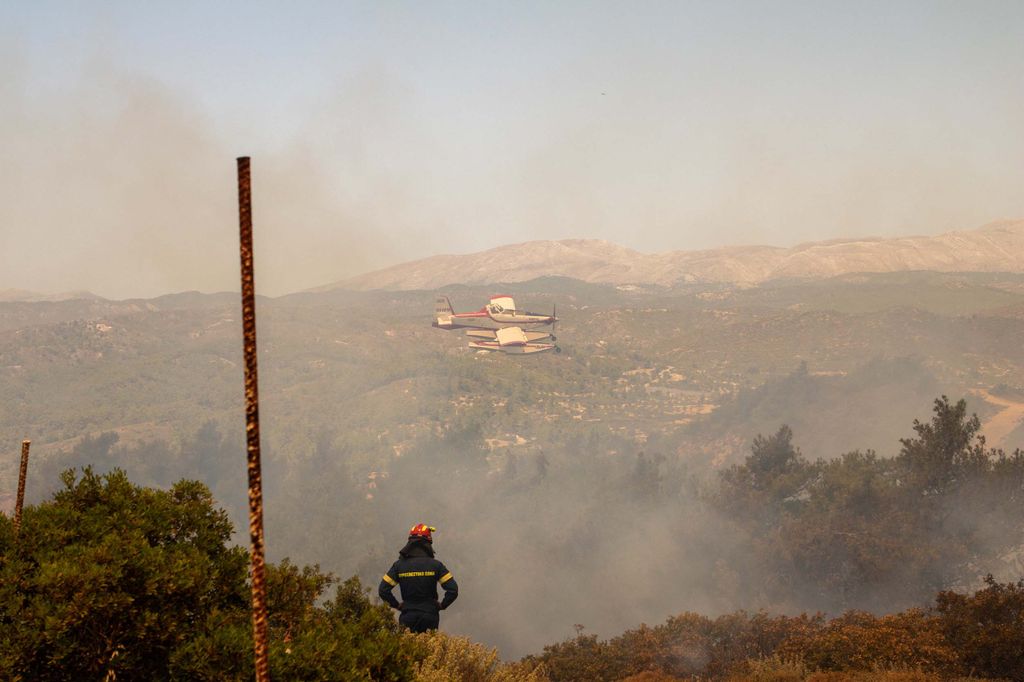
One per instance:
(450,323)
(510,340)
(516,336)
(511,336)
(525,349)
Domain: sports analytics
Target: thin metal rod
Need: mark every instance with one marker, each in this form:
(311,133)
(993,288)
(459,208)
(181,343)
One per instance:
(20,503)
(252,423)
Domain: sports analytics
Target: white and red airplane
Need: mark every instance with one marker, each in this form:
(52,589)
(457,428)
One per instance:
(508,336)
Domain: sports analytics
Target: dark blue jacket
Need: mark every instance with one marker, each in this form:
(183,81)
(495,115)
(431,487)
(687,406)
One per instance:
(417,574)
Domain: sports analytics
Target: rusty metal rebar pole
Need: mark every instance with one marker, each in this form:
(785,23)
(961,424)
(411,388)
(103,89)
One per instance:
(20,502)
(252,423)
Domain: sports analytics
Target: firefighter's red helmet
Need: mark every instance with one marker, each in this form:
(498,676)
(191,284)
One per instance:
(422,530)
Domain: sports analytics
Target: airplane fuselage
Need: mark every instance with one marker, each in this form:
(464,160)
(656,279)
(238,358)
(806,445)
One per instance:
(502,318)
(516,317)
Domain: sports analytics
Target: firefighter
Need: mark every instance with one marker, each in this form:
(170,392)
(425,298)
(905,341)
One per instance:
(417,574)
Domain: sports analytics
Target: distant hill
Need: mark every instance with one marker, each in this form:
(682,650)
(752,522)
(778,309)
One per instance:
(25,296)
(997,247)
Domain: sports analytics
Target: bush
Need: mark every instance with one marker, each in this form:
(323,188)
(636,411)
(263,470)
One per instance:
(913,639)
(650,676)
(686,645)
(878,676)
(109,579)
(987,628)
(773,668)
(583,658)
(449,658)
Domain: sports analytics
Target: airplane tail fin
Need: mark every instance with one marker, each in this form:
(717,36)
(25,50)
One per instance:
(443,313)
(442,306)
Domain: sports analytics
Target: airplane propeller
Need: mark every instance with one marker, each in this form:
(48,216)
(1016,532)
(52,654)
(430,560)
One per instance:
(554,322)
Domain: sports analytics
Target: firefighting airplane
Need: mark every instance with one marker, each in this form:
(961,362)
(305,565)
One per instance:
(508,336)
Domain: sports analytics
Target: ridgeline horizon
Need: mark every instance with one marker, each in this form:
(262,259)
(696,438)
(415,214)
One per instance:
(995,247)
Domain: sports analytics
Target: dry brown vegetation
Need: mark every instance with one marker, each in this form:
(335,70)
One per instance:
(963,635)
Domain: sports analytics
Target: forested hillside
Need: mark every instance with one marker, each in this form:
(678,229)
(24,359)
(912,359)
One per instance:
(109,578)
(616,458)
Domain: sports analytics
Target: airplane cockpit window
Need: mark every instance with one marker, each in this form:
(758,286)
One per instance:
(495,308)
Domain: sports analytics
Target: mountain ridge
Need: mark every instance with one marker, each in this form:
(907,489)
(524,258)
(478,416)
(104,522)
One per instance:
(27,296)
(995,247)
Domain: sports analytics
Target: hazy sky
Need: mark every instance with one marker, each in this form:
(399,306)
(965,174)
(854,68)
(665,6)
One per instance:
(385,131)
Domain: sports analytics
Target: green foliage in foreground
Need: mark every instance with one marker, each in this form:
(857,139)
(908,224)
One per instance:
(111,579)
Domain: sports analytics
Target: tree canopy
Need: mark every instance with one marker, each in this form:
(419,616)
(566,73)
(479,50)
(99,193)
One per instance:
(113,579)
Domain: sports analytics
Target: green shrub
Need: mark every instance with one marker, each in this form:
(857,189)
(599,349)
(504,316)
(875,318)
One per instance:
(109,579)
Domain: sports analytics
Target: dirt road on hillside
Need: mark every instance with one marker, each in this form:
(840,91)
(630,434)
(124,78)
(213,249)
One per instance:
(997,428)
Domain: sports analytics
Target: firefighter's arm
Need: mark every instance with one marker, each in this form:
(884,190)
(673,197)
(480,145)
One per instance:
(451,588)
(387,583)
